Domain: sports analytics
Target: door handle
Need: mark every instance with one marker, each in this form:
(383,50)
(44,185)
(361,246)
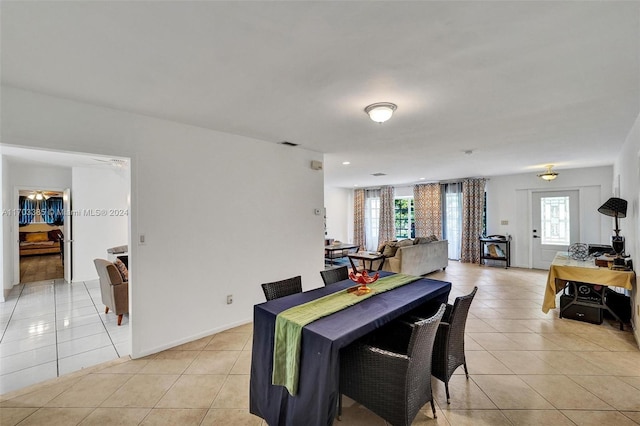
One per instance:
(535,236)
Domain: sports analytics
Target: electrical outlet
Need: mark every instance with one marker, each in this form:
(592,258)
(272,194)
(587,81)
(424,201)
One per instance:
(504,222)
(229,299)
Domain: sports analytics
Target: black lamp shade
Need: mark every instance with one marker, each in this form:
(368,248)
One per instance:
(614,207)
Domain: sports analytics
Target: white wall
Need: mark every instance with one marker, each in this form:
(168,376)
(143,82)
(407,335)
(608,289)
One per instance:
(338,201)
(28,176)
(627,167)
(97,190)
(508,198)
(221,213)
(6,268)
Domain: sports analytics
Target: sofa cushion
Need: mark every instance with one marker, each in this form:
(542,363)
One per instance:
(390,249)
(124,272)
(405,243)
(36,237)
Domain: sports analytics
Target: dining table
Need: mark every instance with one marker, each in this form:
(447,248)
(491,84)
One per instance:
(315,402)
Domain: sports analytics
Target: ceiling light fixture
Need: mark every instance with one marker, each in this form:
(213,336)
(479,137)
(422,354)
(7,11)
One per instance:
(38,195)
(346,163)
(549,174)
(381,111)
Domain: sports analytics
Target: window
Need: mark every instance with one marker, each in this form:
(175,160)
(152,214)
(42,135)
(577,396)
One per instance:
(371,218)
(452,217)
(404,218)
(554,218)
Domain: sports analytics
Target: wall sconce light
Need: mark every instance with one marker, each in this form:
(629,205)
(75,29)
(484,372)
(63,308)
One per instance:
(381,111)
(549,174)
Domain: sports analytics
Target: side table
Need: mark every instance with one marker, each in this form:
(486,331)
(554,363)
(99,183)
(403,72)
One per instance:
(364,256)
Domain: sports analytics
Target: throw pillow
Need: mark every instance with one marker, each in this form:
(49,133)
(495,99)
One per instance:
(390,249)
(405,243)
(124,273)
(36,237)
(432,238)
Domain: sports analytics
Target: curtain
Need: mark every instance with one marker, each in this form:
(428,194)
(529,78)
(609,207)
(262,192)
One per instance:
(472,209)
(452,217)
(358,218)
(371,218)
(428,210)
(387,227)
(27,211)
(53,211)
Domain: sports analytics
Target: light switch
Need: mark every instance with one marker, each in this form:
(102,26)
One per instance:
(504,222)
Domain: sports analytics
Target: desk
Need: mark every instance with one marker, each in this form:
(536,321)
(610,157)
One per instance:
(342,249)
(317,397)
(564,269)
(364,257)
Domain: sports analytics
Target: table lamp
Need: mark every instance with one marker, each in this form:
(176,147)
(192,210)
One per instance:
(616,207)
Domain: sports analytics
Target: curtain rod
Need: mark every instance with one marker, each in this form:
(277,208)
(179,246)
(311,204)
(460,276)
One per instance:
(411,185)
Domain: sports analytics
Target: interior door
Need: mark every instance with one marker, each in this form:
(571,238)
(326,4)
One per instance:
(66,230)
(16,245)
(555,225)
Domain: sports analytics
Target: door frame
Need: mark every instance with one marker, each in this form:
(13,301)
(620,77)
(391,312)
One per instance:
(16,227)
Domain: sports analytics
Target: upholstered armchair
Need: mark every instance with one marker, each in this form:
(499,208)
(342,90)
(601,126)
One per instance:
(115,292)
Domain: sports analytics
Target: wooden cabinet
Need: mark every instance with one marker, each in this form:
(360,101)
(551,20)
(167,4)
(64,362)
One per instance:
(495,247)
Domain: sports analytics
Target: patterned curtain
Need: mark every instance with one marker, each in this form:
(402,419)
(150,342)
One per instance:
(472,208)
(428,210)
(387,227)
(358,218)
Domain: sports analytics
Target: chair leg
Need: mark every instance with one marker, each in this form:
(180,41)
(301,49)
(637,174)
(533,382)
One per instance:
(106,309)
(120,319)
(465,369)
(433,408)
(446,388)
(339,407)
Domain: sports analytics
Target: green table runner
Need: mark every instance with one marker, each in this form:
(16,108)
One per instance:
(289,323)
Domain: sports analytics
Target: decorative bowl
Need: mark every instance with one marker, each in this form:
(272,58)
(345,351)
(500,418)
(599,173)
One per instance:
(363,278)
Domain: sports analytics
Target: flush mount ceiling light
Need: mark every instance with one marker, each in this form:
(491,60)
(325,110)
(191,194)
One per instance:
(549,174)
(381,111)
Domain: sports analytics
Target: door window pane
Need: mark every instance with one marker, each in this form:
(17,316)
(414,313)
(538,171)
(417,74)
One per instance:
(554,215)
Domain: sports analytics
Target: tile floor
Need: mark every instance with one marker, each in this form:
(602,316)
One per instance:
(51,328)
(526,368)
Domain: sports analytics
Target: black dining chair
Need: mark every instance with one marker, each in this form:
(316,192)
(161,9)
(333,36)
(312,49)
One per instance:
(385,371)
(277,289)
(448,349)
(330,276)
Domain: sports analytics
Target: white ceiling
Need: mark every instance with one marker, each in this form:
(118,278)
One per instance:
(522,84)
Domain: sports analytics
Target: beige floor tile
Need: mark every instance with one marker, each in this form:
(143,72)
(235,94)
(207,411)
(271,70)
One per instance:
(537,417)
(196,345)
(511,392)
(354,414)
(482,362)
(564,393)
(243,364)
(465,395)
(477,418)
(249,345)
(479,326)
(169,362)
(40,396)
(213,362)
(174,416)
(633,381)
(231,417)
(616,363)
(633,415)
(471,345)
(193,391)
(532,342)
(572,342)
(494,341)
(244,328)
(130,367)
(115,416)
(569,363)
(612,341)
(56,416)
(228,342)
(613,391)
(90,391)
(598,418)
(234,393)
(13,416)
(524,362)
(144,390)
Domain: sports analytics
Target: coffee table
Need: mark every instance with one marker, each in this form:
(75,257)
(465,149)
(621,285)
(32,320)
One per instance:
(364,256)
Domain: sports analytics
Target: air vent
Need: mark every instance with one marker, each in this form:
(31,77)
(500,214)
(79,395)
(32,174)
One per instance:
(378,174)
(287,143)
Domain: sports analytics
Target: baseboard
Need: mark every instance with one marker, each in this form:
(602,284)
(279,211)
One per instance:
(190,339)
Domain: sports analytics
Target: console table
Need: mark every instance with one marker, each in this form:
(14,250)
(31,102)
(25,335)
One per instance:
(336,251)
(564,269)
(498,240)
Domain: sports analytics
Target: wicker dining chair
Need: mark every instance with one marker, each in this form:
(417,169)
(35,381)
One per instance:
(385,370)
(282,288)
(448,348)
(334,275)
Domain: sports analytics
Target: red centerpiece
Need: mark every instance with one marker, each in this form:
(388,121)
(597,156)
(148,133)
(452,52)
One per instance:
(363,279)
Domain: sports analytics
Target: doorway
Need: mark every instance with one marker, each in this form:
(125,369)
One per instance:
(555,224)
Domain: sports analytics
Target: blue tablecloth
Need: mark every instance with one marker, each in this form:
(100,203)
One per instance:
(315,403)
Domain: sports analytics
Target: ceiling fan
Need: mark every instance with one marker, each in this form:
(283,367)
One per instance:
(42,195)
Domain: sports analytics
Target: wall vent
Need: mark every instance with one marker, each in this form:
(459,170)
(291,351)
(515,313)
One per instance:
(378,174)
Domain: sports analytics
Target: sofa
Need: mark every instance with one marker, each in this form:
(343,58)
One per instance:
(44,242)
(407,257)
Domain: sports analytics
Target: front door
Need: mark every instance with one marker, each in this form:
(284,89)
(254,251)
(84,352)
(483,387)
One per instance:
(555,225)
